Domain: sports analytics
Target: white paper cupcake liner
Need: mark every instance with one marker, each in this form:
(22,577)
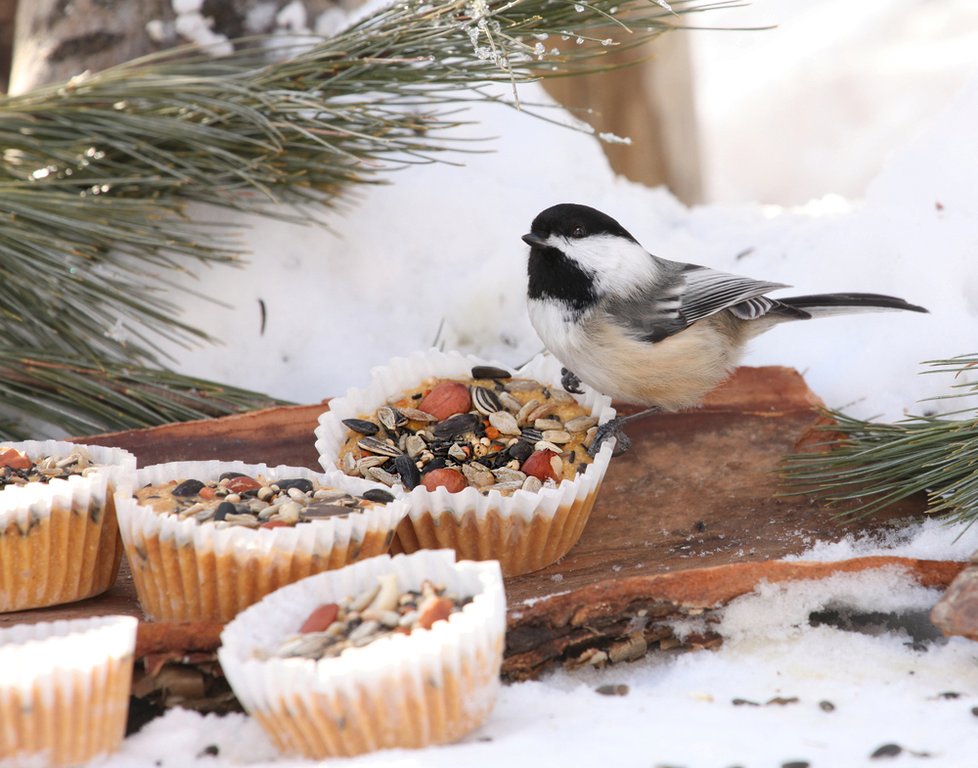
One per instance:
(118,463)
(189,571)
(64,689)
(428,687)
(525,531)
(59,542)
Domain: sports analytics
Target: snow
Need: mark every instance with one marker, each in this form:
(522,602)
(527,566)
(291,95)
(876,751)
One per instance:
(380,283)
(706,708)
(436,255)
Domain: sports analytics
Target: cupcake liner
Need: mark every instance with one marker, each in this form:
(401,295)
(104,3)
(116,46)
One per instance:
(525,531)
(64,689)
(424,688)
(59,541)
(189,571)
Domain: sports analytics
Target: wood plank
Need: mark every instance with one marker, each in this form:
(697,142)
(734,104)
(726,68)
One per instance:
(695,503)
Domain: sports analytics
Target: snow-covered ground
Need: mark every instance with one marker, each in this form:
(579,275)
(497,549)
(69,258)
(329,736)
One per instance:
(441,247)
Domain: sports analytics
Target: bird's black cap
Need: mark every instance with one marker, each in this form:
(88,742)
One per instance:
(573,220)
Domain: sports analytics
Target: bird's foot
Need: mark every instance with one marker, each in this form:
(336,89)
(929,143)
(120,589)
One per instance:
(570,382)
(615,428)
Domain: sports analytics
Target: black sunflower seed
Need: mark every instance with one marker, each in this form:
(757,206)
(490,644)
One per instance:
(407,471)
(319,510)
(362,426)
(378,495)
(490,372)
(301,483)
(439,462)
(229,475)
(457,425)
(520,451)
(531,435)
(224,509)
(188,488)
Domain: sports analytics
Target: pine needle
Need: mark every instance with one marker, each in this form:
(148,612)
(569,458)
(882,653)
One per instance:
(875,465)
(95,175)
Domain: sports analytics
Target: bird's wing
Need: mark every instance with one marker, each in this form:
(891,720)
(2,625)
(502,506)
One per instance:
(686,293)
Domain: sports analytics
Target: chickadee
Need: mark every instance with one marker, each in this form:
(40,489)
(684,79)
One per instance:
(647,330)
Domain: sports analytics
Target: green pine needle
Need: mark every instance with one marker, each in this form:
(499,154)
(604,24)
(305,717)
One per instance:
(875,465)
(95,175)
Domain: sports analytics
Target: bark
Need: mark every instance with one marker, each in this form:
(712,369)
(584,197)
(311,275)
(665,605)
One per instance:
(58,39)
(653,105)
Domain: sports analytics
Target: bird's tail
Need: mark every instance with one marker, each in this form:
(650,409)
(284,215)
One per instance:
(827,304)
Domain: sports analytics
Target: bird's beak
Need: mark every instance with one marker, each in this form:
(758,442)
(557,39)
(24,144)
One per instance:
(531,240)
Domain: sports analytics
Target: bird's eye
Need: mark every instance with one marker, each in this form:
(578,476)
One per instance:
(578,231)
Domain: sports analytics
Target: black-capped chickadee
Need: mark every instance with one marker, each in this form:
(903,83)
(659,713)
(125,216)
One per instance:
(647,330)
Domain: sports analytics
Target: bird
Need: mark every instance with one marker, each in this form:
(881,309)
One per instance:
(647,330)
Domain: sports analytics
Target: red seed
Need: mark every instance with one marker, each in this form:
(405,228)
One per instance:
(276,524)
(538,464)
(11,457)
(446,399)
(242,484)
(320,619)
(450,479)
(434,610)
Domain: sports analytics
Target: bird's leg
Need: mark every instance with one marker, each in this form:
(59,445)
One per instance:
(614,428)
(570,382)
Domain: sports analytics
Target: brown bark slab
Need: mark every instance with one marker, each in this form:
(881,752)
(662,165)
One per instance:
(690,518)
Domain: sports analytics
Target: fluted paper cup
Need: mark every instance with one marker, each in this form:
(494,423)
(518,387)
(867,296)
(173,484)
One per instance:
(403,690)
(59,541)
(64,689)
(185,570)
(525,531)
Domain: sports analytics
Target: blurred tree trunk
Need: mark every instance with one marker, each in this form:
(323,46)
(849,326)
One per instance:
(57,39)
(8,9)
(652,104)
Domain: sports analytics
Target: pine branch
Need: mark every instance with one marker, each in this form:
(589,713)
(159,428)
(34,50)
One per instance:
(876,464)
(57,390)
(95,173)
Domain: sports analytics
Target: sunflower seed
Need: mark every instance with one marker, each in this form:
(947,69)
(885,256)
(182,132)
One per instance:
(557,436)
(525,409)
(544,424)
(320,510)
(391,418)
(522,385)
(581,423)
(371,461)
(506,487)
(541,411)
(458,453)
(532,484)
(362,426)
(485,401)
(414,445)
(478,475)
(505,422)
(457,425)
(413,414)
(407,470)
(489,372)
(382,447)
(378,495)
(509,402)
(378,474)
(507,475)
